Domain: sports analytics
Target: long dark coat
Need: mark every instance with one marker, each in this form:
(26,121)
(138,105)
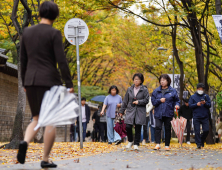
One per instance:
(137,114)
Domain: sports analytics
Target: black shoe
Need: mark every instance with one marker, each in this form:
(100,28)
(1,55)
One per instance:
(148,141)
(48,165)
(202,144)
(109,143)
(198,147)
(22,152)
(118,142)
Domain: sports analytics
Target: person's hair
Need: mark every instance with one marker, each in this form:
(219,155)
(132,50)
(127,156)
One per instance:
(200,85)
(113,87)
(83,99)
(141,77)
(186,100)
(166,77)
(49,10)
(221,119)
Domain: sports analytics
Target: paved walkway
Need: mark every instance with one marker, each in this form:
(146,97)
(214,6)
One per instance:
(145,159)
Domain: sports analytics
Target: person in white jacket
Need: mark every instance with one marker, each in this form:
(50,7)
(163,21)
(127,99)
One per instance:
(146,128)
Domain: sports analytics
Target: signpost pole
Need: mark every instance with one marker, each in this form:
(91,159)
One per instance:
(79,86)
(76,32)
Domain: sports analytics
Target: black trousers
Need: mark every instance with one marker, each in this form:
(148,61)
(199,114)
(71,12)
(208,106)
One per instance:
(102,131)
(95,132)
(167,126)
(137,133)
(188,127)
(146,130)
(200,138)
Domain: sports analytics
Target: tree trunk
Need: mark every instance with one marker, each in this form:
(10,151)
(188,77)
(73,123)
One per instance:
(39,136)
(218,7)
(17,134)
(210,138)
(198,53)
(195,30)
(179,62)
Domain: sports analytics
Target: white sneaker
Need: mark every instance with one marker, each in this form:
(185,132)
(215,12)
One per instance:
(188,143)
(157,147)
(129,145)
(135,147)
(144,142)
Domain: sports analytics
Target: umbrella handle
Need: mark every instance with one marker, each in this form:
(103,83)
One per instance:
(176,112)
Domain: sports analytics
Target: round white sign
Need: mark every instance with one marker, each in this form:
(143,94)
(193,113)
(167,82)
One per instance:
(70,31)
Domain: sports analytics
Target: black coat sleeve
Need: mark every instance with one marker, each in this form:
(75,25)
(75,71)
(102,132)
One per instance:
(61,59)
(180,111)
(23,59)
(125,102)
(94,115)
(87,113)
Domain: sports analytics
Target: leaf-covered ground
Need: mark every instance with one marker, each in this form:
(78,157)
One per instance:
(60,151)
(101,155)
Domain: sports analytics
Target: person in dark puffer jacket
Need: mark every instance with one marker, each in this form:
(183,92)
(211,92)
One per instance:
(165,99)
(200,103)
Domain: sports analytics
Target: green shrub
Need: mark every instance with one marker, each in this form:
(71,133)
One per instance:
(219,101)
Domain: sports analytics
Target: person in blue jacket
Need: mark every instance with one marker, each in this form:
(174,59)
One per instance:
(165,99)
(200,103)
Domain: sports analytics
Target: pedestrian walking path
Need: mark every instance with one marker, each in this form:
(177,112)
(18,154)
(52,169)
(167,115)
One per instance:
(146,158)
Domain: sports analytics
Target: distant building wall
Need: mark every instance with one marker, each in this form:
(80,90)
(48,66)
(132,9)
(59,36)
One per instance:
(8,106)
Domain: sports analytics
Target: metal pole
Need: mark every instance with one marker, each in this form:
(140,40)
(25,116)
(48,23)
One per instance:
(65,132)
(79,86)
(173,69)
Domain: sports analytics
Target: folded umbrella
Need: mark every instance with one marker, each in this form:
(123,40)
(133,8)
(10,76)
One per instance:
(179,125)
(58,108)
(120,128)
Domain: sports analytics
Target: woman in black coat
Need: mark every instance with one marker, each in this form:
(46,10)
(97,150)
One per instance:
(41,51)
(135,101)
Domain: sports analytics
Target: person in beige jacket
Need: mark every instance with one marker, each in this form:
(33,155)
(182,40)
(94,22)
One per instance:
(146,127)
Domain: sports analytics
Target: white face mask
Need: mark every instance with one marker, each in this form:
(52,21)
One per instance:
(200,92)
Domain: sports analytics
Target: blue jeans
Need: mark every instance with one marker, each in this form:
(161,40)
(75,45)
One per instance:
(141,137)
(148,131)
(84,127)
(152,134)
(200,138)
(112,135)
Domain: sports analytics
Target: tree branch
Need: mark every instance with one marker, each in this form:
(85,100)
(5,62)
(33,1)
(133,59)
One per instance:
(29,14)
(14,17)
(9,32)
(131,12)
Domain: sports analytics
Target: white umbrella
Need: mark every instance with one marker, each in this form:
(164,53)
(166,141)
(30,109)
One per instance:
(58,108)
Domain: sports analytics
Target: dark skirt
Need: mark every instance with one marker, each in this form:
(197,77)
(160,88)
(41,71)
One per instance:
(35,96)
